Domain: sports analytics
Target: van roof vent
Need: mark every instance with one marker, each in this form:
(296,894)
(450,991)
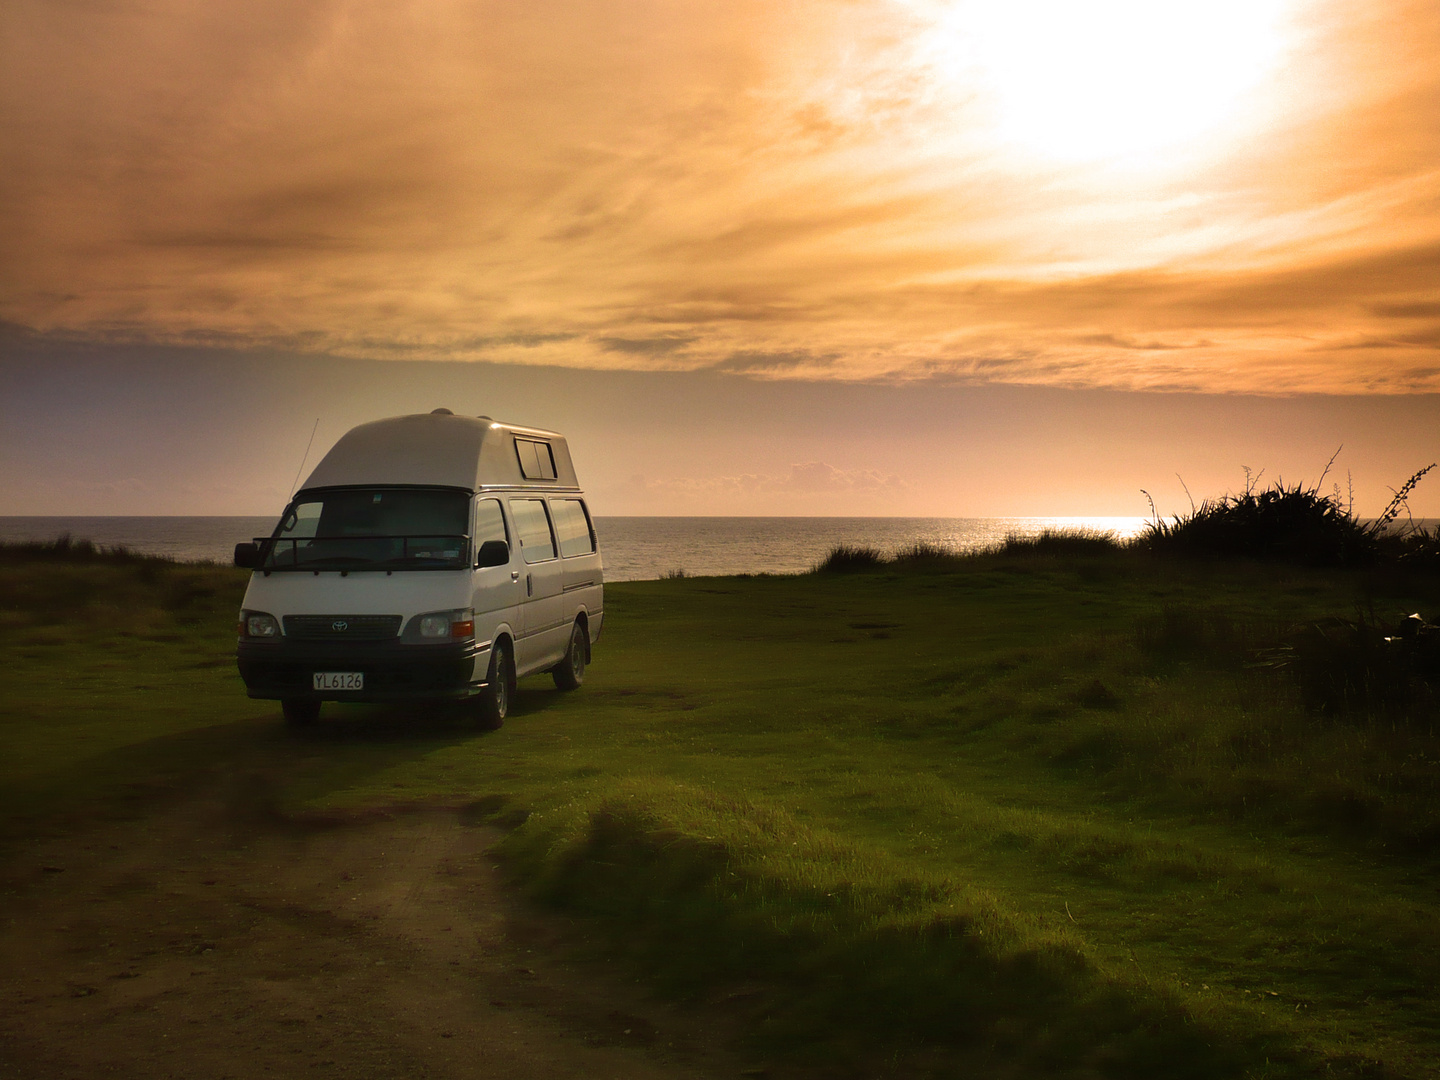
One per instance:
(441,412)
(484,418)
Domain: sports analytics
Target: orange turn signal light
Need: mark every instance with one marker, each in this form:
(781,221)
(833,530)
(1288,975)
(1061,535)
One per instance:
(463,629)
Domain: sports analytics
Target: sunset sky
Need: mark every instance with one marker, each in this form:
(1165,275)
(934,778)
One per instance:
(864,257)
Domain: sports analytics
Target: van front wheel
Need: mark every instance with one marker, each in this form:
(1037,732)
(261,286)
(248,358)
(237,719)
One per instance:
(570,672)
(494,700)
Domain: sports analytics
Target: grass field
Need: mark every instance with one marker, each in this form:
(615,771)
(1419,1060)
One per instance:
(1028,815)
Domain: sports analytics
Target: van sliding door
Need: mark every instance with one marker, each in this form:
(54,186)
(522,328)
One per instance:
(544,628)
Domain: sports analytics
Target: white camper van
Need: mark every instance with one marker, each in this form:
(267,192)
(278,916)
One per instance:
(427,557)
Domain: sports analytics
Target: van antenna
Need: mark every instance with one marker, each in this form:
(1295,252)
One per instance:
(304,458)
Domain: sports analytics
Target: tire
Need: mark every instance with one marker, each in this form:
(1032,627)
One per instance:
(300,712)
(493,704)
(570,672)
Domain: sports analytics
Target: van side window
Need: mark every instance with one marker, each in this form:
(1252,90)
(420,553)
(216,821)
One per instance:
(532,523)
(537,460)
(489,522)
(573,526)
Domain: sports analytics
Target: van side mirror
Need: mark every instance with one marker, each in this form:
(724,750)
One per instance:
(247,555)
(492,553)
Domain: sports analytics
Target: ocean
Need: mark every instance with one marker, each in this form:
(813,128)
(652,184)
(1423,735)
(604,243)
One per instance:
(634,548)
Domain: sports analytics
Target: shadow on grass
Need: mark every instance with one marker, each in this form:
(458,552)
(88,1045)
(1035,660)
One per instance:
(251,761)
(442,723)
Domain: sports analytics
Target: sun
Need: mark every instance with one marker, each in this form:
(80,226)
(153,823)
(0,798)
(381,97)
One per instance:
(1113,79)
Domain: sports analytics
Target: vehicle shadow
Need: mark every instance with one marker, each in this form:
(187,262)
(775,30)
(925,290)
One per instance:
(257,761)
(433,723)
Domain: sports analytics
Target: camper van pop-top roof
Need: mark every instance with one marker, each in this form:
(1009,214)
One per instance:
(441,449)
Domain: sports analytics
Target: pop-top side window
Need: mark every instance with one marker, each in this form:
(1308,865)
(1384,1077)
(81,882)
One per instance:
(537,461)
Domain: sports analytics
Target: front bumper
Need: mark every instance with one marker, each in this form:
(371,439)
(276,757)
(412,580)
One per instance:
(393,672)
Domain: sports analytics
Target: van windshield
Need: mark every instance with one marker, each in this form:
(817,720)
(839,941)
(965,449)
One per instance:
(372,528)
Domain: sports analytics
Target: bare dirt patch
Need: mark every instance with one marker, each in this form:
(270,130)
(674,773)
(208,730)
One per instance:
(219,939)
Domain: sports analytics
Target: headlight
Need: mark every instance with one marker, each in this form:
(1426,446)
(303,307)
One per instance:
(442,625)
(258,624)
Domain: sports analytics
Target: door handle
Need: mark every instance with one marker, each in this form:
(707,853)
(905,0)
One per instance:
(514,575)
(529,586)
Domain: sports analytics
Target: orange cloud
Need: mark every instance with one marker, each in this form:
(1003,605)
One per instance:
(801,191)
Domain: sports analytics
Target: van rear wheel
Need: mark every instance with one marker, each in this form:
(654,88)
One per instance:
(494,701)
(300,712)
(570,672)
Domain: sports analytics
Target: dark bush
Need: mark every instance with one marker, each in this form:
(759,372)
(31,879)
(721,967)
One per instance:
(1362,667)
(1289,524)
(1417,548)
(1295,525)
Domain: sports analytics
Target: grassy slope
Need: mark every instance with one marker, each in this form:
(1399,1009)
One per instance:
(1004,811)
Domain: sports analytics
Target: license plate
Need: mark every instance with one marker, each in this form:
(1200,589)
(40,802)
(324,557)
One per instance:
(339,680)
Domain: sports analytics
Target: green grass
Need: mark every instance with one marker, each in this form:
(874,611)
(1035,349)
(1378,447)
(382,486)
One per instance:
(1032,813)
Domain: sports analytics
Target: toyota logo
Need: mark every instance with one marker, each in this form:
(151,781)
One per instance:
(339,626)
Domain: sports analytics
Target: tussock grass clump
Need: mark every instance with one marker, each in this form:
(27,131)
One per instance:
(926,555)
(64,549)
(929,556)
(848,559)
(1062,542)
(51,582)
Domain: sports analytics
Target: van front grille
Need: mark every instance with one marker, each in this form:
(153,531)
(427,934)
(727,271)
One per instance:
(342,627)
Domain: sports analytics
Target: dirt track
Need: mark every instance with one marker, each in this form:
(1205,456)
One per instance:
(218,940)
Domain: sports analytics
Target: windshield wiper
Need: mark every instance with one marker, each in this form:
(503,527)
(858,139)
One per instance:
(329,560)
(401,560)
